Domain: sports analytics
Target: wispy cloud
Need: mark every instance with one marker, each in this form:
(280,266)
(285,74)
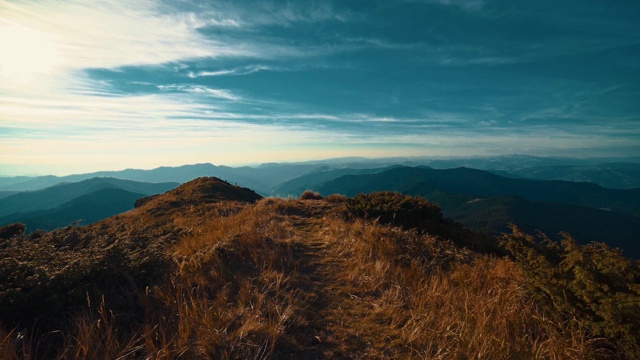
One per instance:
(201,90)
(113,33)
(209,19)
(246,70)
(464,4)
(54,40)
(254,14)
(452,60)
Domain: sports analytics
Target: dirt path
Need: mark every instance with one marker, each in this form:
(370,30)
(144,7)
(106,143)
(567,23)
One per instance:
(321,278)
(316,268)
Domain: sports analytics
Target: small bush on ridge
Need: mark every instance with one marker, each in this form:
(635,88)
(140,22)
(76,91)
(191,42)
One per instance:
(394,208)
(336,198)
(311,195)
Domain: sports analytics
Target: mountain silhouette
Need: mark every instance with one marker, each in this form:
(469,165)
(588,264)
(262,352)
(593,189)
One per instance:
(59,194)
(83,210)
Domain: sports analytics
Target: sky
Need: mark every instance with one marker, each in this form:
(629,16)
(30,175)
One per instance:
(113,84)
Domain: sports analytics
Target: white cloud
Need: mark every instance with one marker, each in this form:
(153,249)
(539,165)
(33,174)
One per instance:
(286,13)
(201,90)
(47,45)
(49,41)
(139,131)
(26,53)
(308,12)
(110,34)
(246,70)
(207,20)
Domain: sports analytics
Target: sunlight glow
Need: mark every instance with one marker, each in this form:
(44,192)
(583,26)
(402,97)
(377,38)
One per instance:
(26,54)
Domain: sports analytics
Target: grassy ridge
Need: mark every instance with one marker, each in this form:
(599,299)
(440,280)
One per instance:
(276,278)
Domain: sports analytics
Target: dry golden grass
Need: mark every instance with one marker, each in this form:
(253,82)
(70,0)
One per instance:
(13,346)
(293,279)
(231,289)
(420,297)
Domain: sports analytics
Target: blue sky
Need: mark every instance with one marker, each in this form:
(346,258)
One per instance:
(111,84)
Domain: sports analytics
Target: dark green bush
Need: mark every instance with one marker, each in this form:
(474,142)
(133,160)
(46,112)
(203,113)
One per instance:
(336,198)
(46,278)
(414,212)
(592,283)
(9,231)
(395,208)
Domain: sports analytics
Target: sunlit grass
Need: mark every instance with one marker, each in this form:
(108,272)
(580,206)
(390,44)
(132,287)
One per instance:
(298,278)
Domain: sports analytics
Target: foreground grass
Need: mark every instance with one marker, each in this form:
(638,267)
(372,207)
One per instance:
(300,279)
(418,296)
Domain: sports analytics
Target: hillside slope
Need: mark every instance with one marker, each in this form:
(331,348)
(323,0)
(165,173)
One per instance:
(464,181)
(210,270)
(314,179)
(84,210)
(494,215)
(611,175)
(488,202)
(59,194)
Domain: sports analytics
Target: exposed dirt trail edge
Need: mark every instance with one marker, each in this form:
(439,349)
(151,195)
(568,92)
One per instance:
(320,277)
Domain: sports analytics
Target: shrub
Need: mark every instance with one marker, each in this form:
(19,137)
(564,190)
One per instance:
(414,212)
(592,283)
(9,231)
(394,208)
(336,198)
(311,195)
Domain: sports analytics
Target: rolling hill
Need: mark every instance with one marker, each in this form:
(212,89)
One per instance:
(488,202)
(610,175)
(261,178)
(471,182)
(270,178)
(57,195)
(83,210)
(311,180)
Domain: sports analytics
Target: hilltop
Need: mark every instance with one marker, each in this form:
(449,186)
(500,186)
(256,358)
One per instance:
(211,270)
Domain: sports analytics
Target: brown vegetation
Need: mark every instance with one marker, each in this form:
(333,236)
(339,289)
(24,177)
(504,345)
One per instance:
(198,276)
(311,195)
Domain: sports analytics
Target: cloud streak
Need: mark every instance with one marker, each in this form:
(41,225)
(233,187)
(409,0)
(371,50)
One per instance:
(246,70)
(201,90)
(110,34)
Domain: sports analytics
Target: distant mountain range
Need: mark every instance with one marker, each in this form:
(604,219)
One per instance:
(261,179)
(498,191)
(472,182)
(611,175)
(485,201)
(84,210)
(312,180)
(268,179)
(87,200)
